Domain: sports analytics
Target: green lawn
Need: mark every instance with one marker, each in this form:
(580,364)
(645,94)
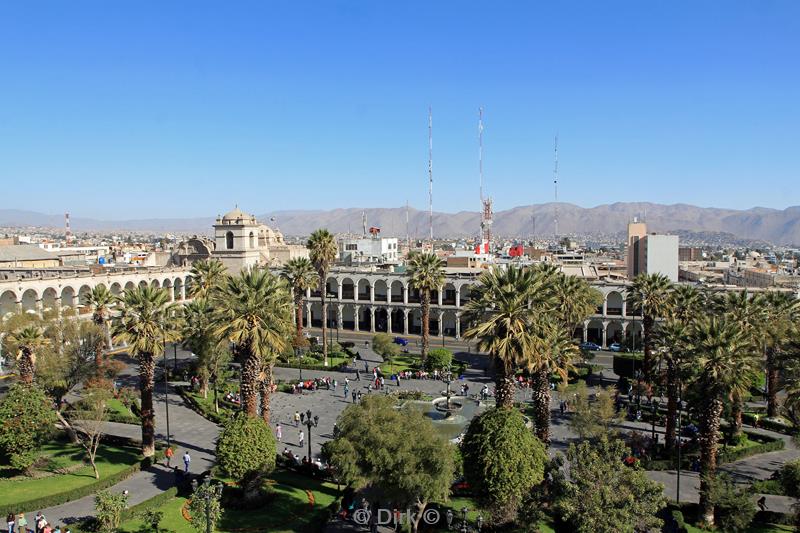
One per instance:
(110,460)
(401,363)
(288,511)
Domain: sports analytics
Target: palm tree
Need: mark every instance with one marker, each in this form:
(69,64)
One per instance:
(147,322)
(301,275)
(322,252)
(576,299)
(722,358)
(206,274)
(552,353)
(780,310)
(651,294)
(27,341)
(198,337)
(499,319)
(100,300)
(254,311)
(425,274)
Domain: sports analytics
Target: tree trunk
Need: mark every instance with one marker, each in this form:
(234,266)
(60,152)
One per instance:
(736,414)
(25,366)
(71,434)
(298,303)
(541,400)
(94,466)
(504,386)
(420,510)
(323,289)
(147,368)
(249,392)
(216,399)
(772,384)
(647,349)
(709,433)
(107,331)
(672,405)
(426,322)
(266,385)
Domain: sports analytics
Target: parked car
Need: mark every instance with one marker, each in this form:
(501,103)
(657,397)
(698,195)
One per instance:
(401,341)
(590,346)
(616,347)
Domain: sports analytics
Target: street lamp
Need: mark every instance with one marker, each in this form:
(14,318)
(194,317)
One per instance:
(449,517)
(175,356)
(307,421)
(298,353)
(166,394)
(464,511)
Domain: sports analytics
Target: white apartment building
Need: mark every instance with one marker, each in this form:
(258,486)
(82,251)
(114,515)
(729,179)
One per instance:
(356,251)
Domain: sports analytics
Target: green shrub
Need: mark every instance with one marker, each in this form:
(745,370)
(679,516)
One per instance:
(246,445)
(734,508)
(26,418)
(789,477)
(108,508)
(502,460)
(439,359)
(768,486)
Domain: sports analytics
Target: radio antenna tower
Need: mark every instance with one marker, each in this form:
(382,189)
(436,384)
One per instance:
(430,173)
(555,186)
(67,229)
(364,222)
(486,203)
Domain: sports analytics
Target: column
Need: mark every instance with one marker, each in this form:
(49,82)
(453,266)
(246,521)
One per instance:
(586,331)
(371,319)
(624,308)
(439,294)
(355,314)
(441,318)
(18,305)
(605,327)
(458,296)
(171,294)
(605,306)
(183,291)
(389,320)
(405,321)
(339,314)
(405,294)
(372,293)
(308,315)
(339,291)
(57,304)
(458,321)
(39,306)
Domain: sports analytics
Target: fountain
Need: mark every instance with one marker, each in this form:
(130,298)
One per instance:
(448,407)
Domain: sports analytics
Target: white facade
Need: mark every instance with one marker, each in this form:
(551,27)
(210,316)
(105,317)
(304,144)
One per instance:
(369,250)
(661,255)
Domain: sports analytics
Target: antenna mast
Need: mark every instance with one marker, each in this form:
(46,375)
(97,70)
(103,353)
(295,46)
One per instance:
(486,203)
(430,173)
(67,229)
(555,186)
(364,222)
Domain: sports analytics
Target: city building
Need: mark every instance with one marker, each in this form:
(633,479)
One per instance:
(27,256)
(369,249)
(651,253)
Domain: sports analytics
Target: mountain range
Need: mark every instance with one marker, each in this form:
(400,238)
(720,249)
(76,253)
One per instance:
(773,225)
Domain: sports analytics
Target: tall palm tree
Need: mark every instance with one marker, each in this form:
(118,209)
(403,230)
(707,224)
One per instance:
(781,310)
(576,300)
(499,319)
(27,341)
(552,352)
(651,294)
(254,311)
(197,332)
(425,273)
(723,359)
(100,300)
(301,275)
(148,320)
(206,274)
(322,252)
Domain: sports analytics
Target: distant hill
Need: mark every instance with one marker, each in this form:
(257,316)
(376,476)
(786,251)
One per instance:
(773,225)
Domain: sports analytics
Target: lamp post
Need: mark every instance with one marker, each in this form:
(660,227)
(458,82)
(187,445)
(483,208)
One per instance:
(297,354)
(309,422)
(175,356)
(449,517)
(166,393)
(464,527)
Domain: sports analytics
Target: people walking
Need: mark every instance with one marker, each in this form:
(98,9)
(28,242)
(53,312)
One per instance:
(300,438)
(297,419)
(10,520)
(354,396)
(22,523)
(186,460)
(346,390)
(168,456)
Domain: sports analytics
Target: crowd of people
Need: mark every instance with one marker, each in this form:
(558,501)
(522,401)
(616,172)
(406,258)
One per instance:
(19,524)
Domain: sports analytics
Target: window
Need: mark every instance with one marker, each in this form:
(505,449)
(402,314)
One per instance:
(229,240)
(252,240)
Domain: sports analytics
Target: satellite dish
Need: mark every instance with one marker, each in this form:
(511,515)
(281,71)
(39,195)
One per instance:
(272,219)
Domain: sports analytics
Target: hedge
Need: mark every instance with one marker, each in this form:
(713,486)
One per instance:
(305,366)
(723,455)
(772,425)
(80,492)
(626,365)
(217,418)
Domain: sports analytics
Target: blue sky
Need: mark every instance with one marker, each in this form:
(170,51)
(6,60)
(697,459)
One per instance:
(154,109)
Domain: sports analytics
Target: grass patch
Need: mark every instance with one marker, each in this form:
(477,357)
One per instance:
(401,363)
(110,460)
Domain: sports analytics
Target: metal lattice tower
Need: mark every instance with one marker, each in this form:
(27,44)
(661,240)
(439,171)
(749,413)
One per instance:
(486,203)
(555,187)
(430,173)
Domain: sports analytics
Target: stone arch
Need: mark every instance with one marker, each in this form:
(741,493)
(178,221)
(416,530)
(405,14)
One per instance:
(251,241)
(415,321)
(396,291)
(28,300)
(49,299)
(634,334)
(614,303)
(8,303)
(464,291)
(348,289)
(188,281)
(398,321)
(143,284)
(167,284)
(68,297)
(449,295)
(381,291)
(594,331)
(130,286)
(155,284)
(363,290)
(381,320)
(116,289)
(615,332)
(348,317)
(449,322)
(83,293)
(177,289)
(332,286)
(229,240)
